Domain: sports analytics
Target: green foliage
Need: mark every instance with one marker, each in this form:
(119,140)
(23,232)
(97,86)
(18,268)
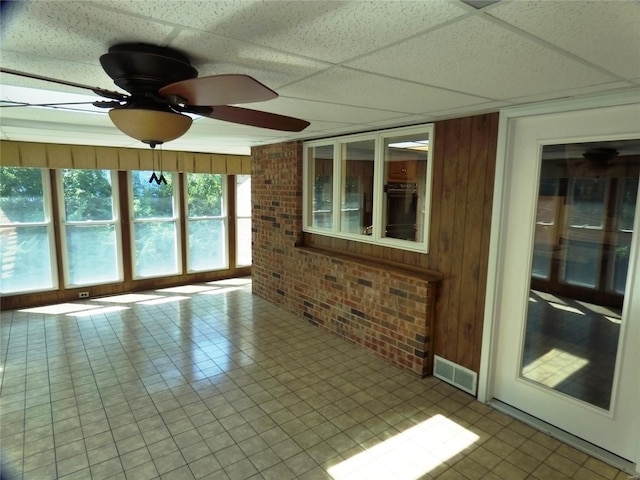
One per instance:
(21,195)
(205,195)
(87,195)
(151,200)
(628,208)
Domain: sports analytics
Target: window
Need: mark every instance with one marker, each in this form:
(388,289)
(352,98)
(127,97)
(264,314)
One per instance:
(549,203)
(382,185)
(625,212)
(155,226)
(320,186)
(206,222)
(585,230)
(90,227)
(26,231)
(356,186)
(243,220)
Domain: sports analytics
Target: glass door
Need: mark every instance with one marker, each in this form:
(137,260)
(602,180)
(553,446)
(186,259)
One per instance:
(568,292)
(583,229)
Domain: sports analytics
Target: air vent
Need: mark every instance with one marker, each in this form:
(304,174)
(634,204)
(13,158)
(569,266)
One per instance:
(456,375)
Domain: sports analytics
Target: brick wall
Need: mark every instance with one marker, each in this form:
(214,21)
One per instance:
(387,310)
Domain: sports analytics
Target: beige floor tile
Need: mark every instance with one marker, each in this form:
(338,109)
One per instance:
(228,386)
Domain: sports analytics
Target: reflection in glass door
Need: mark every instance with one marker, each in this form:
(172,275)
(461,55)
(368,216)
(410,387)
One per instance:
(584,224)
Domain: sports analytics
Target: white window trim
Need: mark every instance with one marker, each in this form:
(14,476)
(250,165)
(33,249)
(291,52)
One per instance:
(47,222)
(175,219)
(224,216)
(115,206)
(377,237)
(240,217)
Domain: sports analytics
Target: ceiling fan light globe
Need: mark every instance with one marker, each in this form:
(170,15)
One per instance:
(150,126)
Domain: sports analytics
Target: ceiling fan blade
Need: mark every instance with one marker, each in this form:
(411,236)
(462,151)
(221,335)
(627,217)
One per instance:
(9,104)
(219,90)
(98,91)
(256,118)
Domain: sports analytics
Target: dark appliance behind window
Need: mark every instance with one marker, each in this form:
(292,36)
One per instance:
(402,204)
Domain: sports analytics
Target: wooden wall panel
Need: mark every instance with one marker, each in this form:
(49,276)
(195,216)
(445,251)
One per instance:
(474,207)
(460,285)
(449,135)
(483,261)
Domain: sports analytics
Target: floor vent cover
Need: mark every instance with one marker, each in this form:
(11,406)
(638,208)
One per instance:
(456,375)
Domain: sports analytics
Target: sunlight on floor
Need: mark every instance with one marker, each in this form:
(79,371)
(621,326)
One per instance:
(98,311)
(566,308)
(185,289)
(61,308)
(159,301)
(408,455)
(218,291)
(554,367)
(128,298)
(232,281)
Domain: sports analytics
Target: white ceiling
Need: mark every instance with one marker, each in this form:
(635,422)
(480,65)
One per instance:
(345,66)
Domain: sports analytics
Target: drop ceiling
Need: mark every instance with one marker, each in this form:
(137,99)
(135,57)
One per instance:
(345,66)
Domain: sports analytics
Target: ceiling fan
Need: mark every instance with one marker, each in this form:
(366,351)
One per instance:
(163,86)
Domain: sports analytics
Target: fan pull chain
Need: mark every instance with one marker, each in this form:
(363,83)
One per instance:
(154,178)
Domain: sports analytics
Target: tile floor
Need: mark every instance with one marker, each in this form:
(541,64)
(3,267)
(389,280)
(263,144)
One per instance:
(209,381)
(571,346)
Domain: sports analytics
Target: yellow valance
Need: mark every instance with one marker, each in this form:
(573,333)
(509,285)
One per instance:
(49,155)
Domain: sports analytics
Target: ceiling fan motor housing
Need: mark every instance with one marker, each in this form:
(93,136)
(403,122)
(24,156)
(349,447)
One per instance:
(140,68)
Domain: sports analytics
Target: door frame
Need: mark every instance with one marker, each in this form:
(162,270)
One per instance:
(494,273)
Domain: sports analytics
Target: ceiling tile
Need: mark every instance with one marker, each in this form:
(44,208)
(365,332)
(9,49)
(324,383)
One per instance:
(612,87)
(481,58)
(345,65)
(327,30)
(346,86)
(88,74)
(69,31)
(606,34)
(214,55)
(325,111)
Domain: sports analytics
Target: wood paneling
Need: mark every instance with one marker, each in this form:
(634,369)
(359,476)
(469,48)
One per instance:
(465,154)
(462,195)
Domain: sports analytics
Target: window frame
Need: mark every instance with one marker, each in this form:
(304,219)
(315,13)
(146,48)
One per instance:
(239,217)
(378,208)
(115,221)
(175,218)
(224,217)
(48,222)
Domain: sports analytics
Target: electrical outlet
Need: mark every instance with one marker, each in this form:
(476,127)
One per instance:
(83,295)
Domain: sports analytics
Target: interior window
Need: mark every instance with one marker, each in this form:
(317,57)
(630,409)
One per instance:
(356,187)
(383,185)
